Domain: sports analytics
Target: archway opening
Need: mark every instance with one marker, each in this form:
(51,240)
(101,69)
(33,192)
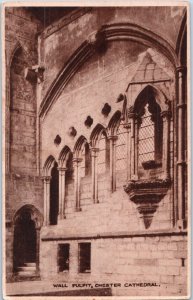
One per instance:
(54,195)
(25,242)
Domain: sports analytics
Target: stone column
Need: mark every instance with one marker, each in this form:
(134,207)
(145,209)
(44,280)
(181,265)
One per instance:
(112,141)
(132,116)
(127,126)
(76,162)
(166,115)
(46,180)
(181,157)
(37,250)
(94,154)
(62,172)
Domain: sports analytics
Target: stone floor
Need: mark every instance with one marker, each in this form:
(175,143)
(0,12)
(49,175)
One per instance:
(47,288)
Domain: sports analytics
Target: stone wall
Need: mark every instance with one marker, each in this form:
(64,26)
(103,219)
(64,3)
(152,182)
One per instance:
(101,80)
(69,32)
(161,260)
(125,67)
(23,186)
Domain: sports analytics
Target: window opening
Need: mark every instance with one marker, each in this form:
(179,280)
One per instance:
(86,160)
(85,257)
(104,154)
(54,195)
(63,257)
(121,149)
(69,175)
(146,138)
(150,136)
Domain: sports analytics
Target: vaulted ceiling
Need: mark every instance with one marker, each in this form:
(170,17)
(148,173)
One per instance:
(48,15)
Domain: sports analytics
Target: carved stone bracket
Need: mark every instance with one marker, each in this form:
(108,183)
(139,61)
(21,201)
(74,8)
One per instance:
(147,194)
(97,40)
(35,74)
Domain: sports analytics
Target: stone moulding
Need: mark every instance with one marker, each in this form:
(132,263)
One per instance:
(151,164)
(147,194)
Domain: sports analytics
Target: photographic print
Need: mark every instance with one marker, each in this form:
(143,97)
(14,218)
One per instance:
(96,153)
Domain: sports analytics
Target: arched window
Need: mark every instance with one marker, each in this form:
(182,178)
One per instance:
(121,148)
(150,135)
(69,184)
(86,160)
(104,153)
(54,195)
(121,156)
(150,117)
(69,171)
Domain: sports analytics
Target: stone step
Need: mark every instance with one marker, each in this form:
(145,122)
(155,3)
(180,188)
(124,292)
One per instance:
(26,273)
(30,264)
(27,268)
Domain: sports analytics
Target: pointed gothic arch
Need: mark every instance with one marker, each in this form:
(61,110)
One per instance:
(48,165)
(63,157)
(181,43)
(27,224)
(157,93)
(114,123)
(95,134)
(150,121)
(78,145)
(111,32)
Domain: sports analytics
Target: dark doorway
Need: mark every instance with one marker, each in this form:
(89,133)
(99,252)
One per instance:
(54,195)
(24,241)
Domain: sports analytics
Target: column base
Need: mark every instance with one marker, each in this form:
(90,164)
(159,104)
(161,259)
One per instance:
(182,224)
(78,209)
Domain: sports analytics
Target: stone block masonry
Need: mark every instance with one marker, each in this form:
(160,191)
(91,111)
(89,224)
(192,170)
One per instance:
(140,264)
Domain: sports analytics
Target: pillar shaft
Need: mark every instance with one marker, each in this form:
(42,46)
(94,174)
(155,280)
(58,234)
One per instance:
(128,160)
(133,146)
(166,115)
(181,162)
(46,181)
(62,173)
(94,155)
(37,250)
(112,141)
(77,162)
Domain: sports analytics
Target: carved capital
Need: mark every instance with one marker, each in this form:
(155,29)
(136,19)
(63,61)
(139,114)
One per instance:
(94,151)
(46,179)
(62,170)
(181,69)
(112,138)
(77,160)
(166,114)
(127,126)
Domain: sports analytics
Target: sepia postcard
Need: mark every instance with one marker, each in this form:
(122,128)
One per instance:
(96,150)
